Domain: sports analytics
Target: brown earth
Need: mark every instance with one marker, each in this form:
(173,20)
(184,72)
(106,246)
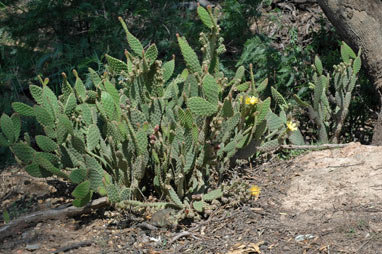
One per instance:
(322,202)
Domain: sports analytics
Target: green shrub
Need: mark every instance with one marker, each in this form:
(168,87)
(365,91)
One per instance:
(143,132)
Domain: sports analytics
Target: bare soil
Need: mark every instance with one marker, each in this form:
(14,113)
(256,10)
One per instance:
(321,202)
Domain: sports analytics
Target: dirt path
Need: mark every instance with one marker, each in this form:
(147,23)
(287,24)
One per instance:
(321,202)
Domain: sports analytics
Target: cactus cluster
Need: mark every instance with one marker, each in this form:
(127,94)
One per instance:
(326,107)
(142,131)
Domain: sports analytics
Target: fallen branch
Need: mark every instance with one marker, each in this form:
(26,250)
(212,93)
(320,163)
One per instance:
(31,219)
(313,147)
(72,246)
(145,225)
(179,235)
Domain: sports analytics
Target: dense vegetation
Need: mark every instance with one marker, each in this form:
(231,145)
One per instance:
(128,120)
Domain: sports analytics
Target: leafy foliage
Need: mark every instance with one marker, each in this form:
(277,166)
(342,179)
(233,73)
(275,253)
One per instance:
(137,133)
(278,66)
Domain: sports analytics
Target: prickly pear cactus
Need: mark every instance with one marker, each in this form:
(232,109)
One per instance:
(326,107)
(141,130)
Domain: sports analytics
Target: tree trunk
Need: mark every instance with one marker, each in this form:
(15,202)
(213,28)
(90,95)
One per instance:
(359,22)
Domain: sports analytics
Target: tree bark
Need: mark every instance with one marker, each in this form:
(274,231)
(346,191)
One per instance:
(359,22)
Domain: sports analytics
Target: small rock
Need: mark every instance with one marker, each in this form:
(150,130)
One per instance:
(32,247)
(300,238)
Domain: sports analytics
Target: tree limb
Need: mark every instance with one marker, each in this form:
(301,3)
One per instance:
(31,219)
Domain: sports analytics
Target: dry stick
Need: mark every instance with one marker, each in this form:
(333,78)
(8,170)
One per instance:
(148,226)
(18,224)
(312,147)
(72,246)
(179,235)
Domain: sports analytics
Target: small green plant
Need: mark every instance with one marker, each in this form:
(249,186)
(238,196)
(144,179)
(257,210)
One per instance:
(143,132)
(6,216)
(330,106)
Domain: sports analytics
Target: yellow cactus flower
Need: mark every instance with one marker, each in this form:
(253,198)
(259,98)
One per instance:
(291,126)
(255,191)
(252,100)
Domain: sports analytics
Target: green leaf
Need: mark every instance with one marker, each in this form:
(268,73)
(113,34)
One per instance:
(95,77)
(6,216)
(278,97)
(357,65)
(299,101)
(264,109)
(110,88)
(243,87)
(80,202)
(227,110)
(199,205)
(346,52)
(36,171)
(46,144)
(23,152)
(63,120)
(78,144)
(201,107)
(319,90)
(43,116)
(269,146)
(81,190)
(93,137)
(112,193)
(108,105)
(78,175)
(133,42)
(23,109)
(36,93)
(80,89)
(142,141)
(16,124)
(87,114)
(116,65)
(151,54)
(50,100)
(70,104)
(205,17)
(274,122)
(189,55)
(262,86)
(95,173)
(212,195)
(54,159)
(66,89)
(318,64)
(239,74)
(46,164)
(7,127)
(4,141)
(296,138)
(168,70)
(211,89)
(174,197)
